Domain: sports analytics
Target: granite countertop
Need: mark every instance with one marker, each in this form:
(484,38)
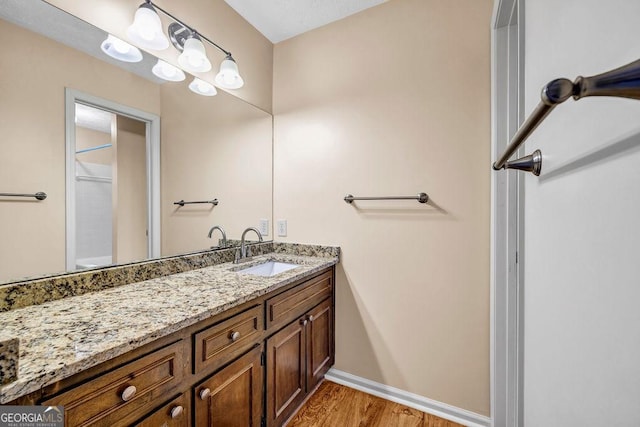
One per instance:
(61,338)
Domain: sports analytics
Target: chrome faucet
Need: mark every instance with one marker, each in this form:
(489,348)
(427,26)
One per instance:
(243,248)
(224,236)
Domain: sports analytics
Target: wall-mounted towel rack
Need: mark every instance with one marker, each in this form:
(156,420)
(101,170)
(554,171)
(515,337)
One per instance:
(623,82)
(39,195)
(214,202)
(421,198)
(97,147)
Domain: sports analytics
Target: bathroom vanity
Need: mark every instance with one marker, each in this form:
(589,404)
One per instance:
(206,347)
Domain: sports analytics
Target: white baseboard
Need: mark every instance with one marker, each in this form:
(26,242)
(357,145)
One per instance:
(433,407)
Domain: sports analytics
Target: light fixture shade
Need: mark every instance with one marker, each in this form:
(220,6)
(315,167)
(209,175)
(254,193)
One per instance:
(146,30)
(194,57)
(202,88)
(229,77)
(166,71)
(120,50)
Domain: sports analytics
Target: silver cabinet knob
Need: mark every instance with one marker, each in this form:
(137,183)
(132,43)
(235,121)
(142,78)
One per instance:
(205,393)
(234,336)
(129,393)
(310,317)
(177,411)
(303,322)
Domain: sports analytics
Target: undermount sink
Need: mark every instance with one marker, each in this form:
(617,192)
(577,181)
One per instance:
(268,269)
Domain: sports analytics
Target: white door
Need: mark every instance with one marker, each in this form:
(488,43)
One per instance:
(582,223)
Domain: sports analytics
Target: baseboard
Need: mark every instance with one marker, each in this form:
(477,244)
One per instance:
(433,407)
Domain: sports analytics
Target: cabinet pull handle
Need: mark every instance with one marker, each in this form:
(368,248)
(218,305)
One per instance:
(310,317)
(234,336)
(129,393)
(303,322)
(177,411)
(205,393)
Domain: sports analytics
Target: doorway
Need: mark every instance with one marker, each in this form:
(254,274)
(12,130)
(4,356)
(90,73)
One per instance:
(112,183)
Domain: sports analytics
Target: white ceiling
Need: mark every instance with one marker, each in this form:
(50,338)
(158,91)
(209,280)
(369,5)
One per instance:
(279,20)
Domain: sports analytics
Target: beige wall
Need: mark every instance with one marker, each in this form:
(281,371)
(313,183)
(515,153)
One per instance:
(214,19)
(33,145)
(130,195)
(392,101)
(212,147)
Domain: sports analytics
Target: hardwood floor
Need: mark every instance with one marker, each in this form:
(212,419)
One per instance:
(336,405)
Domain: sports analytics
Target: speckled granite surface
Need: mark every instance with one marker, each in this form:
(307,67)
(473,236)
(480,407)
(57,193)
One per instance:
(63,337)
(9,350)
(51,288)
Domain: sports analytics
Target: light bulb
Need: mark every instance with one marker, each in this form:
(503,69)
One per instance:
(202,88)
(146,30)
(167,71)
(120,50)
(229,76)
(194,57)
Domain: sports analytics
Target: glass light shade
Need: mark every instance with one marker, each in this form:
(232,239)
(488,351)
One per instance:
(194,58)
(166,71)
(146,30)
(229,77)
(120,50)
(202,88)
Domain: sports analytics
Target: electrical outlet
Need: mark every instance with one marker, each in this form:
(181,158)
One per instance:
(264,226)
(282,228)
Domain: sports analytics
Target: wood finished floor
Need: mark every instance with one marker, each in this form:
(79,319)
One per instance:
(334,405)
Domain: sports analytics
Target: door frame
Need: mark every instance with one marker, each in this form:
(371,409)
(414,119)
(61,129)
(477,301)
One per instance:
(507,220)
(152,137)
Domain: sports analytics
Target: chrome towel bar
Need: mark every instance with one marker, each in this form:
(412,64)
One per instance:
(39,195)
(421,198)
(623,82)
(214,202)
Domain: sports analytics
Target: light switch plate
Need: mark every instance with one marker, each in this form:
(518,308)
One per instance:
(282,228)
(264,226)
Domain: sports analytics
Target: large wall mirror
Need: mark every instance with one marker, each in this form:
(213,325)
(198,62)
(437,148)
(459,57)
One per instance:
(79,126)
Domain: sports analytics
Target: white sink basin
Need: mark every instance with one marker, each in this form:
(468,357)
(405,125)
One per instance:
(268,269)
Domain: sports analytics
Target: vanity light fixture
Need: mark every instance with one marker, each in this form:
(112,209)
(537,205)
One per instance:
(201,87)
(168,72)
(120,50)
(147,26)
(146,30)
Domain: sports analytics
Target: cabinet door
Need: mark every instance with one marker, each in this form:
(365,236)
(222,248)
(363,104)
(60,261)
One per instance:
(285,372)
(319,343)
(233,396)
(173,414)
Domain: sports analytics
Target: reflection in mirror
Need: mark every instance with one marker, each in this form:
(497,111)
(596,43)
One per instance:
(110,188)
(210,148)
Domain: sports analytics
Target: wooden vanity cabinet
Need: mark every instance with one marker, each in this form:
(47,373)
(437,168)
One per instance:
(251,365)
(232,396)
(297,357)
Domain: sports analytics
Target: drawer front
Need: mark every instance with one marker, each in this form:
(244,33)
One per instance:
(293,303)
(174,414)
(113,398)
(224,341)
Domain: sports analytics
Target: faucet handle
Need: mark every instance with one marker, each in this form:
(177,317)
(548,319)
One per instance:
(248,251)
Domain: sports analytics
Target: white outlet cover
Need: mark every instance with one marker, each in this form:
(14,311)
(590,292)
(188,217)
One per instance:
(264,226)
(282,227)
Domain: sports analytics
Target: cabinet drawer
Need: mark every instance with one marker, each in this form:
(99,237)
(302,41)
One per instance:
(293,303)
(224,341)
(173,414)
(113,398)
